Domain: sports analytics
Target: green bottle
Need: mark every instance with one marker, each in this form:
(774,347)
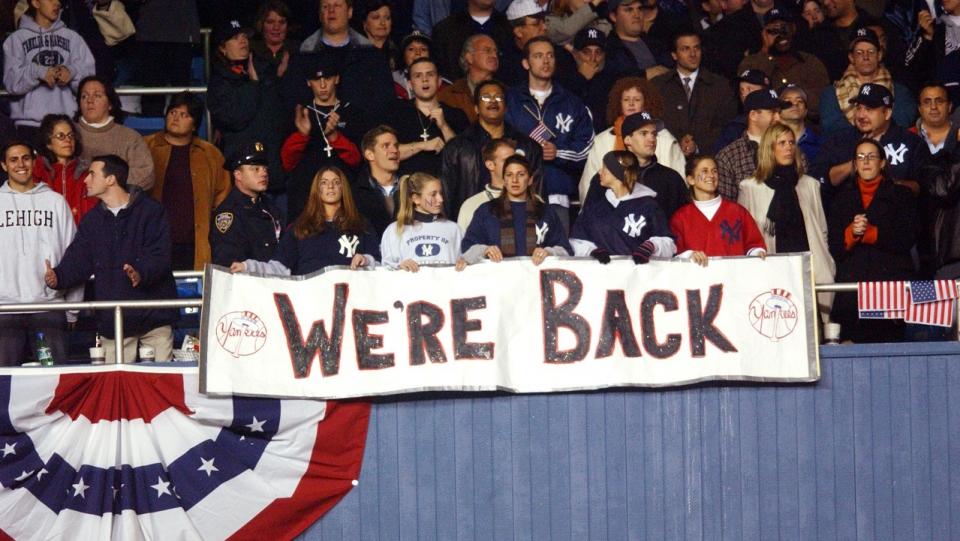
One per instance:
(44,353)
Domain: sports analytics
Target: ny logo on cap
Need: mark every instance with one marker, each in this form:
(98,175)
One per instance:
(745,73)
(258,146)
(865,90)
(646,116)
(861,32)
(235,24)
(773,94)
(592,33)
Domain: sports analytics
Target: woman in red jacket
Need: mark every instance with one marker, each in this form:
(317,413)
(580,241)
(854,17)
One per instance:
(59,166)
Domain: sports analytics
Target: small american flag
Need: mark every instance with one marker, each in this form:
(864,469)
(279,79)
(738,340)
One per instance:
(541,133)
(932,290)
(882,300)
(932,302)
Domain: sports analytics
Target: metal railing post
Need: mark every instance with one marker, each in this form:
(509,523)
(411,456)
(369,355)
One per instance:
(205,38)
(118,335)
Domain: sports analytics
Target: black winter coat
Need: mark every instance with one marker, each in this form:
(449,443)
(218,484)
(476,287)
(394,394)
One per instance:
(247,111)
(892,211)
(371,202)
(942,173)
(139,235)
(462,171)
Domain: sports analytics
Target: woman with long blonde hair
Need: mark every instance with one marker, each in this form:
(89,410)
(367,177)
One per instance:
(328,232)
(421,235)
(786,205)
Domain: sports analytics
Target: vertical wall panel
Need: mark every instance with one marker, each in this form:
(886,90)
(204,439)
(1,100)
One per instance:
(872,451)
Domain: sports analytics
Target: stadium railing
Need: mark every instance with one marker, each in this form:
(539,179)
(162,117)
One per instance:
(119,306)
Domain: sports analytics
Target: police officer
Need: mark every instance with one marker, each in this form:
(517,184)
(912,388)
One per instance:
(247,224)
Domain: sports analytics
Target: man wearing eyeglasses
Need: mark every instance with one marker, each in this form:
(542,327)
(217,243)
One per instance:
(462,166)
(480,61)
(785,65)
(874,119)
(866,54)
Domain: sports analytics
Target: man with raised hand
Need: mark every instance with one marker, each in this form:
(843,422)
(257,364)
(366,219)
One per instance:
(124,242)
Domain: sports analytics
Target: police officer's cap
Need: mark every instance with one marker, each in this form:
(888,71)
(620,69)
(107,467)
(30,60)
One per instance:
(247,154)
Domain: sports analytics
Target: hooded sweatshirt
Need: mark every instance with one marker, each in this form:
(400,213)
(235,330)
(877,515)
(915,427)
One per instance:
(35,226)
(27,55)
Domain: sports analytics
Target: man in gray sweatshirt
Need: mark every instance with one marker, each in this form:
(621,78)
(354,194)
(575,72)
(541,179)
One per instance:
(36,227)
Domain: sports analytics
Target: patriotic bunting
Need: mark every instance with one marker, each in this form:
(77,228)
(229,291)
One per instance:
(137,453)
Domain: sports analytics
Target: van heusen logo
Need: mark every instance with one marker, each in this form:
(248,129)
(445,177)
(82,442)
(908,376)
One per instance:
(241,333)
(773,314)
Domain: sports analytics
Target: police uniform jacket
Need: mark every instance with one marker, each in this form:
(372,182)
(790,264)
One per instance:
(244,228)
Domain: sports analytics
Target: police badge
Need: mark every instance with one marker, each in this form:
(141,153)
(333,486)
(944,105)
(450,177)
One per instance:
(223,221)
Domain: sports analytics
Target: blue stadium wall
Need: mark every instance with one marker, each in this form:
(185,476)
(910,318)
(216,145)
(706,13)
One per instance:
(872,451)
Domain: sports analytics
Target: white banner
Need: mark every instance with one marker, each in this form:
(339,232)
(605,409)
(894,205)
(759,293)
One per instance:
(568,324)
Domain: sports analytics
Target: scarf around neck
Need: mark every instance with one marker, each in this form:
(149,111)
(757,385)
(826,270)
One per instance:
(784,214)
(848,87)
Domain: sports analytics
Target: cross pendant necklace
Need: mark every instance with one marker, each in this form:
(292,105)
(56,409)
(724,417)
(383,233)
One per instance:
(424,135)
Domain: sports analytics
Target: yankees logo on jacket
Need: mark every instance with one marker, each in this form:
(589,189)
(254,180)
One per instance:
(566,123)
(323,249)
(486,230)
(621,225)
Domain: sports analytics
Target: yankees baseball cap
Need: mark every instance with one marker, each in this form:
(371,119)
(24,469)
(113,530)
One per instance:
(226,30)
(754,77)
(636,121)
(867,35)
(416,35)
(764,99)
(589,36)
(321,65)
(873,95)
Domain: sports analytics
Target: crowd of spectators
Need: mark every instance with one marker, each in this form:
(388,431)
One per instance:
(348,131)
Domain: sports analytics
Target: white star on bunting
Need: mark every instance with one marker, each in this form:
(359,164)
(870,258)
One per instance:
(256,426)
(8,448)
(80,488)
(162,487)
(207,466)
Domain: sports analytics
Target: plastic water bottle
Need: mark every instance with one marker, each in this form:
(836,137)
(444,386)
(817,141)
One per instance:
(44,353)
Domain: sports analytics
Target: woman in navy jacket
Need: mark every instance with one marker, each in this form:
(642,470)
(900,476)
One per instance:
(517,223)
(329,231)
(624,219)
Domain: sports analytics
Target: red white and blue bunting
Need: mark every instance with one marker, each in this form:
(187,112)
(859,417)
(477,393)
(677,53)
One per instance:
(138,453)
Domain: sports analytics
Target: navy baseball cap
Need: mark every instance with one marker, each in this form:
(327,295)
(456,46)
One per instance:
(873,95)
